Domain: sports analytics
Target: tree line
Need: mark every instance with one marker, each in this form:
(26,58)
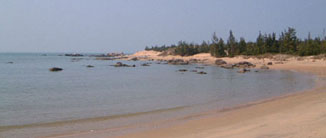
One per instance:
(286,43)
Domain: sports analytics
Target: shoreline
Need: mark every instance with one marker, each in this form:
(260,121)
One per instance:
(266,118)
(183,126)
(247,120)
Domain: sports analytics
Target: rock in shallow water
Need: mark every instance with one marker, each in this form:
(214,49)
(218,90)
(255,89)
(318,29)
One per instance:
(55,69)
(202,72)
(243,70)
(220,62)
(120,64)
(183,70)
(227,66)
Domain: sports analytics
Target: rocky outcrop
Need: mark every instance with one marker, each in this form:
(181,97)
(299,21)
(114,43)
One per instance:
(244,64)
(178,62)
(270,63)
(55,69)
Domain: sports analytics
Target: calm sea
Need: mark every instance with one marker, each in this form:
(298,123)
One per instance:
(31,94)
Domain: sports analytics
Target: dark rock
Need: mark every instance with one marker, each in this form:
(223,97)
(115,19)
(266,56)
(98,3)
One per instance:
(183,70)
(55,69)
(145,64)
(264,67)
(220,62)
(201,72)
(90,66)
(10,62)
(270,63)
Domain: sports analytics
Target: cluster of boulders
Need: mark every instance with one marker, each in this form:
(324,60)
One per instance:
(243,66)
(177,62)
(196,71)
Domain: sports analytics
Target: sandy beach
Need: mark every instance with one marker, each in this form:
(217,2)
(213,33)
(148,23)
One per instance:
(300,115)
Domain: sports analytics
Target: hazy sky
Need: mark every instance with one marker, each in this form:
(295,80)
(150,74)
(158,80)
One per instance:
(130,25)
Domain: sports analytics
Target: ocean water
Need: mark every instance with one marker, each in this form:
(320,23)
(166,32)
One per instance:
(31,94)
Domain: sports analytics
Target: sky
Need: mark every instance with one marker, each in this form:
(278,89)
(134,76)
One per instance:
(130,25)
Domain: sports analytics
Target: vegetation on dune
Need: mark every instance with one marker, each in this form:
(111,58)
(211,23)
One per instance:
(286,43)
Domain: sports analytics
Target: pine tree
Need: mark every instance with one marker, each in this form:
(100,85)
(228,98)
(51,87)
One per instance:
(231,45)
(242,46)
(220,48)
(289,41)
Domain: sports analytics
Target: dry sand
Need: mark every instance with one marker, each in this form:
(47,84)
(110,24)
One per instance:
(301,115)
